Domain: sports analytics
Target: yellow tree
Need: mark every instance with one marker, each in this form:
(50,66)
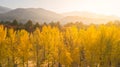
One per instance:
(24,46)
(3,46)
(37,47)
(72,41)
(13,46)
(90,38)
(105,43)
(47,40)
(54,48)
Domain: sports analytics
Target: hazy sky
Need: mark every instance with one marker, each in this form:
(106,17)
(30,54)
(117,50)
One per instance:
(108,7)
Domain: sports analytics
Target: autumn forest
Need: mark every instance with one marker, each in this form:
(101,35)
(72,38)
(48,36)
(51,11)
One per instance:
(56,45)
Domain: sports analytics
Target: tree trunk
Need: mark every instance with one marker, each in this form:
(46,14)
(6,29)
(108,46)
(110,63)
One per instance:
(59,65)
(110,64)
(0,65)
(8,62)
(37,61)
(27,64)
(48,63)
(15,65)
(23,62)
(13,61)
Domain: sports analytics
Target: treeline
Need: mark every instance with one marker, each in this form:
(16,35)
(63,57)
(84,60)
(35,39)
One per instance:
(71,45)
(30,26)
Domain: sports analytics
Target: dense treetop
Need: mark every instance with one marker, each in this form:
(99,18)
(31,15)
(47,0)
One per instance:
(55,45)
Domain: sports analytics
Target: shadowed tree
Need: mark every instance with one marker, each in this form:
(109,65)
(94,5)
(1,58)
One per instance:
(29,26)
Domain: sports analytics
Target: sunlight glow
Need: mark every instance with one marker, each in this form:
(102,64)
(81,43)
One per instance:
(107,7)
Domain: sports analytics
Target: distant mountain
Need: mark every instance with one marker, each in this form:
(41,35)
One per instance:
(85,20)
(4,9)
(42,15)
(87,17)
(78,13)
(88,14)
(34,14)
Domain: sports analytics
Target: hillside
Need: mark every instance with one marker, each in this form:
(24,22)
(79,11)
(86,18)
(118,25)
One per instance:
(85,20)
(34,14)
(42,15)
(4,9)
(87,17)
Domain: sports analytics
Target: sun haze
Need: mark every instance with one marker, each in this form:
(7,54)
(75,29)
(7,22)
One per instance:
(107,7)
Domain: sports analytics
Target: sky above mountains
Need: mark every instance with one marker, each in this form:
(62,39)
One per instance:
(107,7)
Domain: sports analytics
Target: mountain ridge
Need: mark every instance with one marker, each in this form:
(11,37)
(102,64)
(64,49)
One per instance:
(4,9)
(35,14)
(42,15)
